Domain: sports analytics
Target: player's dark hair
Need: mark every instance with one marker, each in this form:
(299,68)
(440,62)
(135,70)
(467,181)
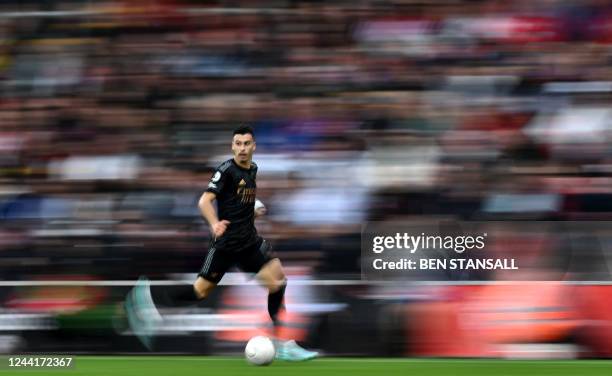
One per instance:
(244,129)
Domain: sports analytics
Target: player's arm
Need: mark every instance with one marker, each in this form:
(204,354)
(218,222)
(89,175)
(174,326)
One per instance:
(209,213)
(215,187)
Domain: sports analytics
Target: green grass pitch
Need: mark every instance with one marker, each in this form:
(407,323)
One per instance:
(228,366)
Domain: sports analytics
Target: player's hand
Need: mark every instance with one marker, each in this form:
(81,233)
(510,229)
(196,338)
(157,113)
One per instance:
(260,209)
(219,228)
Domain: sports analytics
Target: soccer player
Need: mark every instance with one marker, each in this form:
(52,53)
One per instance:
(235,242)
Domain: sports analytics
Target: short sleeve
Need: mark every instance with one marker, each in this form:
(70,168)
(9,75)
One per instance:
(217,182)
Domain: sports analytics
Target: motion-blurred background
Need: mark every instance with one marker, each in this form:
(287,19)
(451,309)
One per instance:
(113,114)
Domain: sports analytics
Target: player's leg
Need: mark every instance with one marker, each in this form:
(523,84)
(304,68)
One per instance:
(141,312)
(141,302)
(271,276)
(269,272)
(215,265)
(203,287)
(259,260)
(184,295)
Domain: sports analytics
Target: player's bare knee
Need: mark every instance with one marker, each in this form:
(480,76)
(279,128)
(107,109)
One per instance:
(281,276)
(276,285)
(202,288)
(200,292)
(276,269)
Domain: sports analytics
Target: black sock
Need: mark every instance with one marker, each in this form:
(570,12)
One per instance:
(174,296)
(275,303)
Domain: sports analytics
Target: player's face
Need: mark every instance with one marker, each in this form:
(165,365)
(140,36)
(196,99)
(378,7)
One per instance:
(243,146)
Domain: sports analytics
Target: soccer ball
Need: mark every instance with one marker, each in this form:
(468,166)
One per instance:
(259,351)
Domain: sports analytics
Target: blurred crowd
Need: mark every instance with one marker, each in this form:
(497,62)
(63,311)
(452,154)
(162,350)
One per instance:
(113,114)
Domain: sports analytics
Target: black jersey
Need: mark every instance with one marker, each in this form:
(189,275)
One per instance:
(235,189)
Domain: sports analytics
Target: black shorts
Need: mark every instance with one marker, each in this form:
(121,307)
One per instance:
(250,259)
